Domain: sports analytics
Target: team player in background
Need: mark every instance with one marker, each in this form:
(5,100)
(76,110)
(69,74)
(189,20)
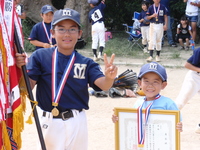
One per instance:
(63,69)
(96,18)
(40,35)
(20,10)
(157,14)
(191,83)
(144,25)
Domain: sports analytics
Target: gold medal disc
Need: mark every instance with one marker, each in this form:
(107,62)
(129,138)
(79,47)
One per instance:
(55,111)
(156,19)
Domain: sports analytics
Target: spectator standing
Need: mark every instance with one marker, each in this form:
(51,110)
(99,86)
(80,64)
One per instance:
(171,42)
(144,25)
(40,35)
(96,18)
(192,14)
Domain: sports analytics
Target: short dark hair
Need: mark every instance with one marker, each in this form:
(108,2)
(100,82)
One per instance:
(145,3)
(184,18)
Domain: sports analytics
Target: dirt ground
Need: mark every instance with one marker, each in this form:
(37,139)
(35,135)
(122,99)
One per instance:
(100,127)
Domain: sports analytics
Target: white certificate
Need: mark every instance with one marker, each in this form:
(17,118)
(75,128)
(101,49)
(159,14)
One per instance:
(160,130)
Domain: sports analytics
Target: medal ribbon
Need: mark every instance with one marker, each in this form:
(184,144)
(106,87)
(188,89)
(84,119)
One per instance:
(56,92)
(45,29)
(154,7)
(141,129)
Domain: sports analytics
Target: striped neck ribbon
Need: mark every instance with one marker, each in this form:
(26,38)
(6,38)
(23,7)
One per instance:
(140,125)
(57,91)
(47,34)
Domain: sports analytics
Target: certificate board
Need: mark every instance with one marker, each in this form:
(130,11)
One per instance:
(161,132)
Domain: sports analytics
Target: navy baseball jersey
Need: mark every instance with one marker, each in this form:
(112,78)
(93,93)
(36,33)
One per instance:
(75,92)
(162,11)
(142,16)
(194,59)
(38,33)
(97,13)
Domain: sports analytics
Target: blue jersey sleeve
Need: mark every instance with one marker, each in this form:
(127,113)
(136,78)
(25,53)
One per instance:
(33,34)
(194,59)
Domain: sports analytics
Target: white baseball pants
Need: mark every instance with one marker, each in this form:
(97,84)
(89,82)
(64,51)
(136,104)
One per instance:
(190,87)
(98,35)
(71,134)
(145,34)
(155,36)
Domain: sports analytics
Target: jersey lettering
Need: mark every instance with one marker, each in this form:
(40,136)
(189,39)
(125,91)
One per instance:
(96,15)
(79,70)
(161,13)
(153,66)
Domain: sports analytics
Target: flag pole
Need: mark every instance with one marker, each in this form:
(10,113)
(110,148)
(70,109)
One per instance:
(19,50)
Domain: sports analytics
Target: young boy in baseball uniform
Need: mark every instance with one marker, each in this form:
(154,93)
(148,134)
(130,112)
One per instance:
(152,79)
(96,18)
(40,35)
(62,76)
(157,14)
(191,83)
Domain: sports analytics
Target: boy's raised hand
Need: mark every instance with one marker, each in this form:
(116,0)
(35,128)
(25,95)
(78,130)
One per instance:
(110,69)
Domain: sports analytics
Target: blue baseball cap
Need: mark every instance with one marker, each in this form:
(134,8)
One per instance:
(153,67)
(64,14)
(94,2)
(46,8)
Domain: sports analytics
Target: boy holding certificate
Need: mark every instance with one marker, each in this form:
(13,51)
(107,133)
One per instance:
(152,79)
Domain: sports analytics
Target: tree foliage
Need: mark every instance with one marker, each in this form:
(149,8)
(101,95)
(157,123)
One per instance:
(121,11)
(117,12)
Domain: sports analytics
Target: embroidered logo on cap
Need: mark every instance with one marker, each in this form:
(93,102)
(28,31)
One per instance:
(153,66)
(48,7)
(67,13)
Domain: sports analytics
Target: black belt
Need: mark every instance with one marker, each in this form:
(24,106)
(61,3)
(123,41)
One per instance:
(63,115)
(157,22)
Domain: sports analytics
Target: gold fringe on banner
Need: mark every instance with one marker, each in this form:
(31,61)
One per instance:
(6,139)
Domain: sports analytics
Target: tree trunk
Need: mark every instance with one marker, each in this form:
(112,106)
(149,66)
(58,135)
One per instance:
(33,7)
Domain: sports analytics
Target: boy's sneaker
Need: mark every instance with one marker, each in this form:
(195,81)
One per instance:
(149,59)
(173,45)
(95,58)
(198,129)
(182,48)
(158,58)
(145,50)
(100,57)
(187,48)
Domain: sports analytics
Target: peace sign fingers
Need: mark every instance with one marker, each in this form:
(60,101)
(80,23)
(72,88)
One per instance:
(106,63)
(110,69)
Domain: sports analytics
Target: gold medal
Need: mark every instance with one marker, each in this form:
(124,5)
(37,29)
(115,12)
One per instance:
(55,111)
(156,18)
